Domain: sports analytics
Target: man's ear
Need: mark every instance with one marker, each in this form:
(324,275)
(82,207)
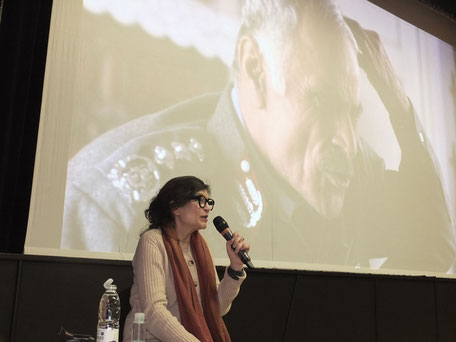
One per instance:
(252,69)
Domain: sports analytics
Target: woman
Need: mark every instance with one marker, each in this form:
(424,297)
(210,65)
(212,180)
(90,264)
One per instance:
(175,283)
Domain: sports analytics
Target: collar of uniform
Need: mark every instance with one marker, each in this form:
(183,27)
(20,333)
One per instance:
(236,144)
(226,127)
(235,100)
(296,220)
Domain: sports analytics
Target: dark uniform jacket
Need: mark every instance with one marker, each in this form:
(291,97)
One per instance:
(391,219)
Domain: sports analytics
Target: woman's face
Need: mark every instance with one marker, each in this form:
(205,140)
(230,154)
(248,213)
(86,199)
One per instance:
(191,215)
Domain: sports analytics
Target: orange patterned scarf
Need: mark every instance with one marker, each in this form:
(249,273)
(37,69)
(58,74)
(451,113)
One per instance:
(202,320)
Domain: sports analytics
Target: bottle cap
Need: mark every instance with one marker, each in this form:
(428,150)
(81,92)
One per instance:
(108,284)
(139,317)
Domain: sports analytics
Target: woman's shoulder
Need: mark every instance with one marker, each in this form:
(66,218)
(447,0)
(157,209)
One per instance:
(152,235)
(150,247)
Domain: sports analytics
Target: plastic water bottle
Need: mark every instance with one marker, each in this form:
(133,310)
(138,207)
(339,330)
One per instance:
(109,314)
(138,333)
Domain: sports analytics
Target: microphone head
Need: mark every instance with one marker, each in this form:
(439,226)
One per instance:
(220,224)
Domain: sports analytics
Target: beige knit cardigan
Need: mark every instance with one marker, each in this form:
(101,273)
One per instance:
(154,294)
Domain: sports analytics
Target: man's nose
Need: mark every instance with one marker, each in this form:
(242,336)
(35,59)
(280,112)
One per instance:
(346,137)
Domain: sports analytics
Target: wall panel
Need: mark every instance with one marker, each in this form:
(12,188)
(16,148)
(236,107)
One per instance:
(8,277)
(446,310)
(332,308)
(64,293)
(273,305)
(260,312)
(406,310)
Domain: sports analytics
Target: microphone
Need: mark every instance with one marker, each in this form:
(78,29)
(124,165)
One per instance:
(223,228)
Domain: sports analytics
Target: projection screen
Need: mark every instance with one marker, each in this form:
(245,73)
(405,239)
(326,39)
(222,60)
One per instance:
(329,143)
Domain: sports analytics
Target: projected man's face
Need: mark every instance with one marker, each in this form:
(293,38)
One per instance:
(310,137)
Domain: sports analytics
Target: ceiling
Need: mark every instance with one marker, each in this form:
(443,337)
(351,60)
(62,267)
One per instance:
(446,6)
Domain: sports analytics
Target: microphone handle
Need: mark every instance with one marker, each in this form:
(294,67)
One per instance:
(245,258)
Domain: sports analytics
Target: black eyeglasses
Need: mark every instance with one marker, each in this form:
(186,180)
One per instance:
(203,200)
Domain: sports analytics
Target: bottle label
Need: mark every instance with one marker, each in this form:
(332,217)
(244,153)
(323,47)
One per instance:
(107,335)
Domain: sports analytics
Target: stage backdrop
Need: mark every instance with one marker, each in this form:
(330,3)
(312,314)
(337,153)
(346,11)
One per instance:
(136,93)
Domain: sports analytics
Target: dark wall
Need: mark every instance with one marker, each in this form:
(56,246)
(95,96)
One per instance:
(38,295)
(9,269)
(46,293)
(437,17)
(24,30)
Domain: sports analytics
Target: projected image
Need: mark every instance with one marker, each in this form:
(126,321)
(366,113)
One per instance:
(325,129)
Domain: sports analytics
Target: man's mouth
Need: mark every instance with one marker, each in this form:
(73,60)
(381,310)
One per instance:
(338,180)
(338,170)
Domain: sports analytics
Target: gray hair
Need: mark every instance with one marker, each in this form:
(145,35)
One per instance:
(273,24)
